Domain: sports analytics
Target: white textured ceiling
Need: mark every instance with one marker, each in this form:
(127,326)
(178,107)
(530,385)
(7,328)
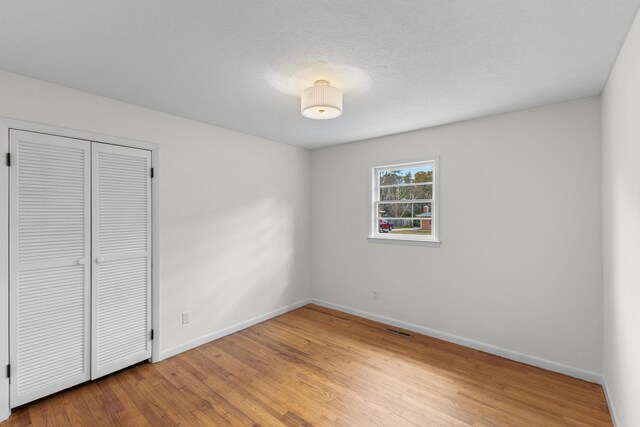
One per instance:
(404,65)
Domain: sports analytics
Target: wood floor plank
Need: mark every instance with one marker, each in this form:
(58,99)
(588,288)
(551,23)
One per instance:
(319,367)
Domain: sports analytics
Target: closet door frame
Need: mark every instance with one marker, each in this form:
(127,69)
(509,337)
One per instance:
(6,124)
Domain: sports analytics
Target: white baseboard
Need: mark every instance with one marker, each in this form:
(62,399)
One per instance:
(487,348)
(612,409)
(165,354)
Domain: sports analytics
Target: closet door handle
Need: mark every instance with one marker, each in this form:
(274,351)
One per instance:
(82,261)
(99,260)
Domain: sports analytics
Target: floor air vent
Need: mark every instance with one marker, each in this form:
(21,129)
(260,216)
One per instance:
(397,332)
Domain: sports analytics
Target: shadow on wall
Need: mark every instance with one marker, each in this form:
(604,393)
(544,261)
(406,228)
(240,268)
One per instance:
(239,260)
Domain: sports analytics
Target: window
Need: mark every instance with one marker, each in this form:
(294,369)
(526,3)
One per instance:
(404,202)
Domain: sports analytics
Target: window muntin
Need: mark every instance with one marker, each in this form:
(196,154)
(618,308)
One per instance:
(404,201)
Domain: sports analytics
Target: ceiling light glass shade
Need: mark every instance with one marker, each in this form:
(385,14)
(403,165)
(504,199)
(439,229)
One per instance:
(321,101)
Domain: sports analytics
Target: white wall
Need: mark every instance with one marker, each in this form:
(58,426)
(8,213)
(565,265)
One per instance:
(234,208)
(520,266)
(621,231)
(520,263)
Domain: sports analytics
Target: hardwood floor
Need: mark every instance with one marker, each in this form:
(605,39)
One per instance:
(315,366)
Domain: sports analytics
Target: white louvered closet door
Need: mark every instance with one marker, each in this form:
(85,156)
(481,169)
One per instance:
(121,285)
(49,214)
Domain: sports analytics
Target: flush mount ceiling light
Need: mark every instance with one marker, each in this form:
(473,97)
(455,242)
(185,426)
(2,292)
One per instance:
(321,101)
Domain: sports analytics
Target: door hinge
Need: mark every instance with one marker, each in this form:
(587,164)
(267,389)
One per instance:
(151,172)
(8,159)
(9,371)
(152,335)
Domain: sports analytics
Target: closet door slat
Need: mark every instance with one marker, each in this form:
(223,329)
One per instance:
(49,263)
(121,242)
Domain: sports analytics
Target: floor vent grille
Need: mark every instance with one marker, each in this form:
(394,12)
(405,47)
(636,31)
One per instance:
(397,332)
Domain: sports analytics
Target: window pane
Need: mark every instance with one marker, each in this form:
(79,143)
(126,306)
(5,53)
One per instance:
(414,226)
(393,225)
(395,210)
(422,210)
(405,210)
(419,227)
(406,175)
(424,191)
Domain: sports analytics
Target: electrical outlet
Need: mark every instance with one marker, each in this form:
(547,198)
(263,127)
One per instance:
(375,295)
(186,317)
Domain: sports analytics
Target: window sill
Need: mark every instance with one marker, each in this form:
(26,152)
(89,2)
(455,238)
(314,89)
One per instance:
(410,242)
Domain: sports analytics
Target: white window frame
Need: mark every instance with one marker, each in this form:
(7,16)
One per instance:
(374,234)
